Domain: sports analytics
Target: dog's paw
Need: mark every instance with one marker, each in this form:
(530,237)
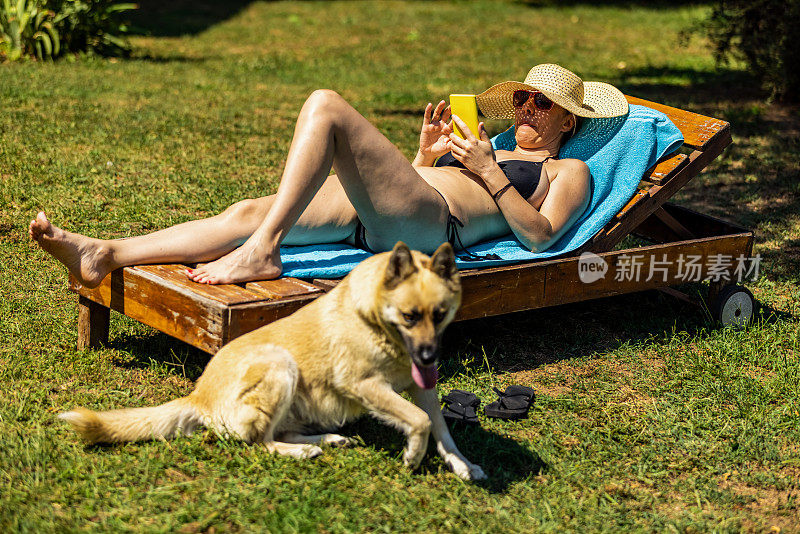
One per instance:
(412,458)
(307,451)
(474,472)
(294,450)
(335,440)
(464,469)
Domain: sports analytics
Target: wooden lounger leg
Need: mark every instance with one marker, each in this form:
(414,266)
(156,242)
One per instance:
(93,320)
(713,292)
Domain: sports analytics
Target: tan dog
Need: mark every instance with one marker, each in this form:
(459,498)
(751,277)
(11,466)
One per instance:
(352,350)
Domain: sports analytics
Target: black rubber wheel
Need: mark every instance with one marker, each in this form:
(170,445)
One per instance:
(735,306)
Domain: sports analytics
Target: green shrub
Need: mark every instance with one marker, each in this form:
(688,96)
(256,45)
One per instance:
(26,28)
(765,34)
(92,25)
(48,28)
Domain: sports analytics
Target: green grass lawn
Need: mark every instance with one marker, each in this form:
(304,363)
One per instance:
(648,417)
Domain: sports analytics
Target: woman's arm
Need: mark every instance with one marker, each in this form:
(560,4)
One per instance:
(566,200)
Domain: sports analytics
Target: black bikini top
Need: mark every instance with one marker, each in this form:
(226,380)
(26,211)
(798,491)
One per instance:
(523,175)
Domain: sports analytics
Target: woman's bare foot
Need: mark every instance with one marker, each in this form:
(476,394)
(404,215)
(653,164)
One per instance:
(243,264)
(87,259)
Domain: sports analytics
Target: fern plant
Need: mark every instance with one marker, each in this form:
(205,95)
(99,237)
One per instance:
(27,28)
(93,25)
(46,28)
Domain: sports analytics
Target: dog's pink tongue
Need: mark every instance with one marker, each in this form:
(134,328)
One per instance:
(425,377)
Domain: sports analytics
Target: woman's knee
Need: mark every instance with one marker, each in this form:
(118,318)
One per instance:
(326,102)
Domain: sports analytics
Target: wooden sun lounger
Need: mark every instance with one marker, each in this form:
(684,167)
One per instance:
(207,317)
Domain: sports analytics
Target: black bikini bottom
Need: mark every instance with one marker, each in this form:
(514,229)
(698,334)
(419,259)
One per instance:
(453,224)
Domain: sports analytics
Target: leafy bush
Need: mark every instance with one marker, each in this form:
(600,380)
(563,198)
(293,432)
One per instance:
(26,28)
(764,34)
(92,25)
(48,28)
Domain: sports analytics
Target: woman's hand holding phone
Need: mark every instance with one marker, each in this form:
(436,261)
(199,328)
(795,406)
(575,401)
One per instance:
(475,152)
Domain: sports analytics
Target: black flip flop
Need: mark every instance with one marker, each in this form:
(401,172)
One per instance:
(513,403)
(461,407)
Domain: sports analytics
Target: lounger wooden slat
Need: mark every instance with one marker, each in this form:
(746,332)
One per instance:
(210,316)
(666,169)
(674,224)
(616,230)
(326,284)
(499,291)
(282,287)
(637,199)
(248,317)
(226,294)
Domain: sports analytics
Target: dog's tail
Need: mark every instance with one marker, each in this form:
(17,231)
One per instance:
(135,424)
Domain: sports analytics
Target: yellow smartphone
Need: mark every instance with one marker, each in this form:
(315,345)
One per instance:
(466,108)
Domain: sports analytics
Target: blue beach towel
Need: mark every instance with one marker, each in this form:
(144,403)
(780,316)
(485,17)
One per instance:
(618,151)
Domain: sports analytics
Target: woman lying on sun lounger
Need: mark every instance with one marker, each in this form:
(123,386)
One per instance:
(377,197)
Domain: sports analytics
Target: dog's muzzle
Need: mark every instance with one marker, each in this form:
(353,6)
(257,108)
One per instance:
(424,354)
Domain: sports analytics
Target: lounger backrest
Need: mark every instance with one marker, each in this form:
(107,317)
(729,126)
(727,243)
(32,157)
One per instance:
(704,139)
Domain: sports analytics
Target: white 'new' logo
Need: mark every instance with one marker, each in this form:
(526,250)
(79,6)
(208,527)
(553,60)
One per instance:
(591,267)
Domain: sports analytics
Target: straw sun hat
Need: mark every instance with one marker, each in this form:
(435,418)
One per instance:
(591,100)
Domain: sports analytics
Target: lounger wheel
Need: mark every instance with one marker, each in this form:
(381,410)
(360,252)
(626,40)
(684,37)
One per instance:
(735,306)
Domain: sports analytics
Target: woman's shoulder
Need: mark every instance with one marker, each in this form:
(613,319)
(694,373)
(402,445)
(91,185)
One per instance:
(570,173)
(570,165)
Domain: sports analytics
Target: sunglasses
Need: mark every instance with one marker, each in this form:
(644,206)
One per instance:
(540,101)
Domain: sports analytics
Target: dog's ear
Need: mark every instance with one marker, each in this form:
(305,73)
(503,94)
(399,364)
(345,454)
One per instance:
(401,265)
(443,261)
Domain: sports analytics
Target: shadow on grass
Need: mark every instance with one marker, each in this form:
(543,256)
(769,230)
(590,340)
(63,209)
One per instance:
(503,459)
(160,349)
(692,86)
(182,17)
(527,340)
(653,4)
(149,58)
(185,17)
(769,315)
